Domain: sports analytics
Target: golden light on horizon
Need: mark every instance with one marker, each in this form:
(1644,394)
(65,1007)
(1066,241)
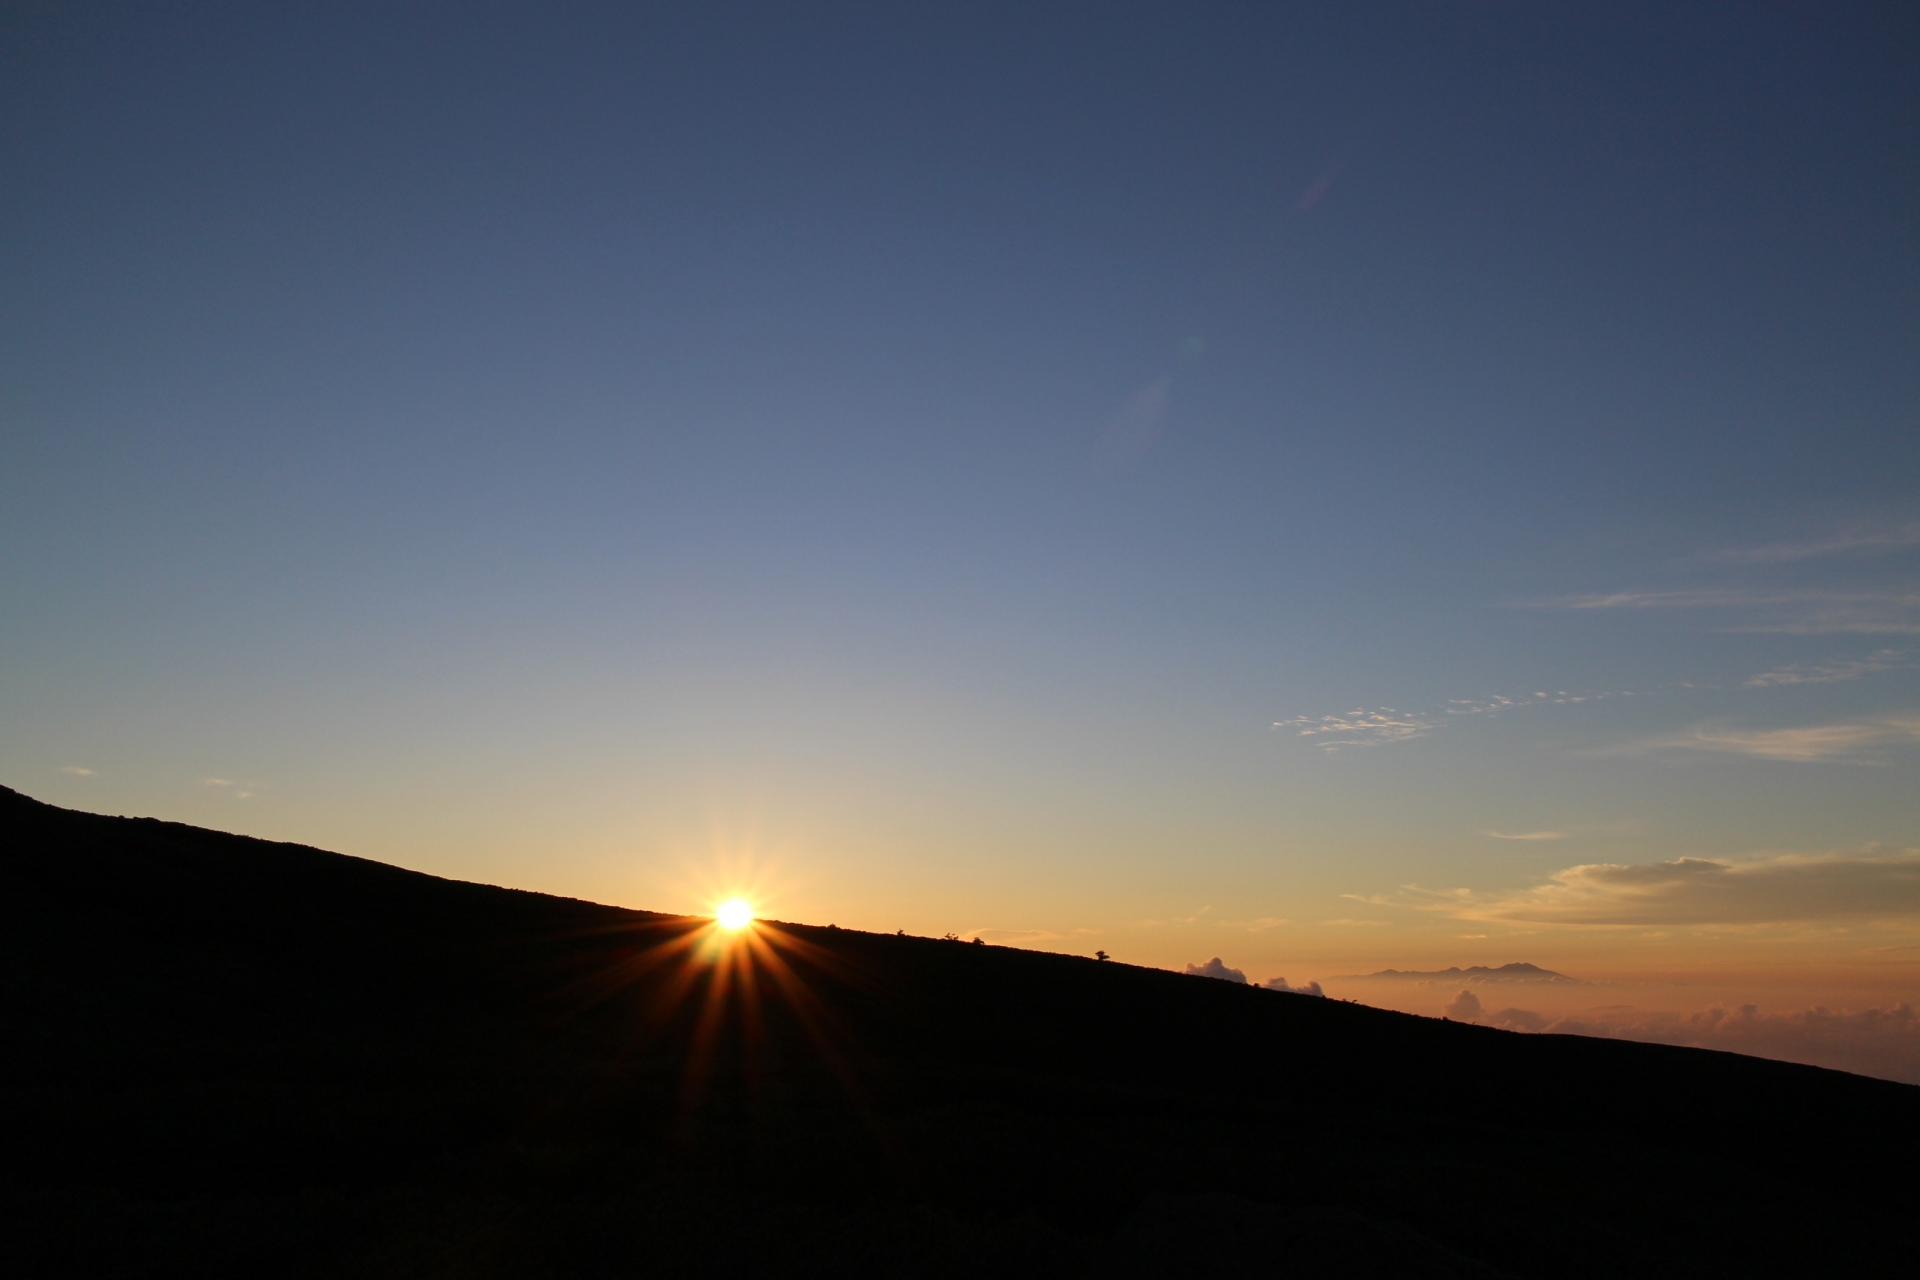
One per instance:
(734,913)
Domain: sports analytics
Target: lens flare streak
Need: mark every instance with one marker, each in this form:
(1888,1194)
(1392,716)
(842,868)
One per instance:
(728,977)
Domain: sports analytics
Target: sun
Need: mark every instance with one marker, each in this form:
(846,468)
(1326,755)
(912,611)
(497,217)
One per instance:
(734,913)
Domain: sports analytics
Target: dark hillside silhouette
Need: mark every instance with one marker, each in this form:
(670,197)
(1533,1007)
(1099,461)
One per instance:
(233,1057)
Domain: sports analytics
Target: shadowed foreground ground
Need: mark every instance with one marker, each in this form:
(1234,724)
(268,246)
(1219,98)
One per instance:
(233,1057)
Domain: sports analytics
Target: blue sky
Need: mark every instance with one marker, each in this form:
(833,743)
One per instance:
(939,458)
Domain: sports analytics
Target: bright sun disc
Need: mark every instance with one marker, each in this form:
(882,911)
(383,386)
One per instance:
(735,913)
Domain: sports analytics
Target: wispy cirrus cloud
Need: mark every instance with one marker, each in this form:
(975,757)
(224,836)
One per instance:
(1379,726)
(1857,541)
(1796,612)
(1134,428)
(1877,597)
(1538,698)
(1361,727)
(1831,672)
(1260,925)
(1566,833)
(1849,741)
(1689,599)
(80,771)
(1772,889)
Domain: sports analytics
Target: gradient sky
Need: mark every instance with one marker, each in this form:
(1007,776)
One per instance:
(1325,486)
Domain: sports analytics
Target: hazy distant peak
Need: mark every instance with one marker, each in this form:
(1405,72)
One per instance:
(1516,972)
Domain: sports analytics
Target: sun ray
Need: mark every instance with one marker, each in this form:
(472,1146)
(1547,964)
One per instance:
(706,1032)
(703,989)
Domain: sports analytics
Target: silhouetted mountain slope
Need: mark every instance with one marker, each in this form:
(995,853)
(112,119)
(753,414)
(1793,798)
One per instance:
(233,1057)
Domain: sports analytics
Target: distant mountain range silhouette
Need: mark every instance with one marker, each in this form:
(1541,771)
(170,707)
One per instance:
(1479,973)
(229,1057)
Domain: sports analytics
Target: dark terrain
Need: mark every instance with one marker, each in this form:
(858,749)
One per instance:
(232,1057)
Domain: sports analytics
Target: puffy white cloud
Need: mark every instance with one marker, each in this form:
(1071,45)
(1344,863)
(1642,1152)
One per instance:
(1465,1006)
(1214,968)
(1694,891)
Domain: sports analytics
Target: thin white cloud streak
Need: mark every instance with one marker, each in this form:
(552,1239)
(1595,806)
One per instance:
(1804,612)
(1864,741)
(1692,599)
(1897,538)
(1830,672)
(1260,925)
(1564,833)
(1134,428)
(79,771)
(1779,889)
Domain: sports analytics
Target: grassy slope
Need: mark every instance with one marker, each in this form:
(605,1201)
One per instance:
(232,1056)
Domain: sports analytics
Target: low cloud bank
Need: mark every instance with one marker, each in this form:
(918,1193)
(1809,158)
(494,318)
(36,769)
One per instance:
(1519,1020)
(1305,989)
(1759,890)
(1868,1042)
